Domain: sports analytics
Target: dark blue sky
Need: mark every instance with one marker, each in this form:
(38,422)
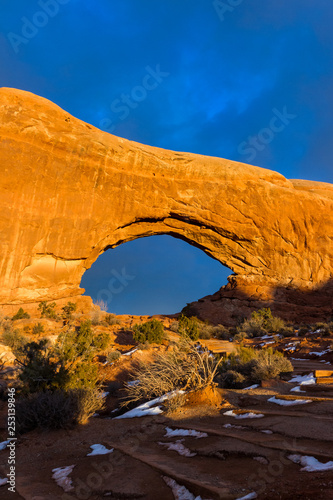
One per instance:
(225,70)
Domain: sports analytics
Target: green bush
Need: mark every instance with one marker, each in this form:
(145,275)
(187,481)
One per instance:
(261,323)
(41,370)
(68,310)
(37,329)
(152,331)
(239,337)
(21,314)
(47,310)
(57,410)
(14,339)
(84,375)
(80,342)
(188,327)
(67,365)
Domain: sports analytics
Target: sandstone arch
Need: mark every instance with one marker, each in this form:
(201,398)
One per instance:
(69,191)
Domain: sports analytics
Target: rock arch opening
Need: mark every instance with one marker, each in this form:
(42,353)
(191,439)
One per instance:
(153,275)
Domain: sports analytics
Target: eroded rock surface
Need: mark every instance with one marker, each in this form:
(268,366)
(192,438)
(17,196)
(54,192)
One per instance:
(69,191)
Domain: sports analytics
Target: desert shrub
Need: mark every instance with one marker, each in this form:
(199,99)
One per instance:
(172,404)
(113,356)
(221,332)
(260,323)
(205,331)
(13,339)
(183,368)
(67,365)
(232,379)
(38,329)
(68,310)
(102,341)
(152,331)
(325,329)
(83,375)
(111,320)
(188,327)
(47,310)
(269,364)
(80,342)
(96,318)
(143,346)
(174,326)
(41,370)
(102,304)
(239,337)
(21,314)
(57,410)
(287,331)
(256,365)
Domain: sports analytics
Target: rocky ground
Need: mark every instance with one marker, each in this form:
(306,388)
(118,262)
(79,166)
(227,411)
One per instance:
(248,445)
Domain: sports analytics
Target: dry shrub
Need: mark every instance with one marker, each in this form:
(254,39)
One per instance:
(57,410)
(269,364)
(172,404)
(186,367)
(232,379)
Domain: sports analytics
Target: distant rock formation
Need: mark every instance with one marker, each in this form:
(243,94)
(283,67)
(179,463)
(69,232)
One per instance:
(69,191)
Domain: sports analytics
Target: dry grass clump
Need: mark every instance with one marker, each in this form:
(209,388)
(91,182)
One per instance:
(57,410)
(185,367)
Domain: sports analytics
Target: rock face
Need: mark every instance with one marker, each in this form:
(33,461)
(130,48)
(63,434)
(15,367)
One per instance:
(70,191)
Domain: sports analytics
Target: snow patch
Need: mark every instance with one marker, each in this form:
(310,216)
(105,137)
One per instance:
(296,389)
(231,426)
(61,474)
(267,431)
(129,353)
(310,464)
(251,387)
(231,413)
(3,481)
(303,379)
(179,448)
(179,492)
(285,402)
(321,353)
(261,460)
(184,432)
(99,449)
(149,408)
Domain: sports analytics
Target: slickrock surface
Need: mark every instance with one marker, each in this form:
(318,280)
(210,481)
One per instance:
(69,191)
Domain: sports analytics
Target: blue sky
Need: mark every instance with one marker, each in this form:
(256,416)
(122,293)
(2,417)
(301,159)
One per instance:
(226,68)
